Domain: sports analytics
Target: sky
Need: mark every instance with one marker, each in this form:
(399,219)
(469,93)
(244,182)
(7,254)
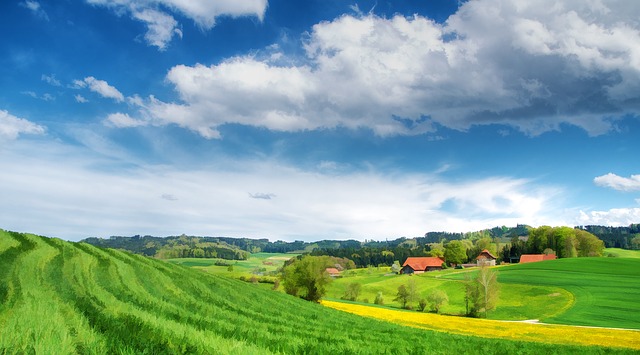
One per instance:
(318,119)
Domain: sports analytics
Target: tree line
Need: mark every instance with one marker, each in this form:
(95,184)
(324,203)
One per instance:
(372,252)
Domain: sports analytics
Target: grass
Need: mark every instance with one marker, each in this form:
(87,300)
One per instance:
(560,334)
(517,301)
(258,264)
(605,290)
(61,297)
(622,253)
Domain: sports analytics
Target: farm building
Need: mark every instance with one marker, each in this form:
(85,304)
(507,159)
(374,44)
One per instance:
(418,265)
(486,258)
(532,258)
(333,272)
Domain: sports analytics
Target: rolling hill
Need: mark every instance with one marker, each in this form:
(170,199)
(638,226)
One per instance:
(62,297)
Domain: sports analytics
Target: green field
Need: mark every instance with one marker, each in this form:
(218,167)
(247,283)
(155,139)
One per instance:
(605,290)
(517,302)
(621,253)
(258,264)
(581,291)
(59,297)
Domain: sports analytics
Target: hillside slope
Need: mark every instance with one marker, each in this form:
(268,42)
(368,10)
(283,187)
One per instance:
(61,297)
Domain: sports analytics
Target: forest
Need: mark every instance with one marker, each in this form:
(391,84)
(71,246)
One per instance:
(506,243)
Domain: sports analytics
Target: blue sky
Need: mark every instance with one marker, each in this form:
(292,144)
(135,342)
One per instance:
(307,120)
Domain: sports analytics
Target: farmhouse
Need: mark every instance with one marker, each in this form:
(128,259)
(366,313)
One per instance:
(486,258)
(532,258)
(418,265)
(333,272)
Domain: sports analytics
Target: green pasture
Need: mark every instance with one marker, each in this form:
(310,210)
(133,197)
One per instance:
(621,253)
(59,297)
(605,290)
(258,264)
(517,301)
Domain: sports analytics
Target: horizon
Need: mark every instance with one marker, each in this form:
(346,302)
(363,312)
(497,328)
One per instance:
(325,118)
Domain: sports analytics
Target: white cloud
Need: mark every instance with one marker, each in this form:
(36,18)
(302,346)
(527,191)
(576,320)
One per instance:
(51,79)
(620,183)
(494,61)
(80,99)
(100,87)
(122,120)
(80,196)
(162,26)
(616,217)
(11,126)
(35,8)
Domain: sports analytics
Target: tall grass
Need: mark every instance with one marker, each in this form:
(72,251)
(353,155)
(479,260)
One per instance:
(61,297)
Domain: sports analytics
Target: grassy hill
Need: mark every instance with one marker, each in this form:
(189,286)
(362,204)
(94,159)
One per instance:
(605,290)
(622,253)
(61,297)
(517,302)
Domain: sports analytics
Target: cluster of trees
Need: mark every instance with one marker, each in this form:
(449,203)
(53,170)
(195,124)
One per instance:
(481,294)
(174,247)
(617,237)
(370,252)
(564,242)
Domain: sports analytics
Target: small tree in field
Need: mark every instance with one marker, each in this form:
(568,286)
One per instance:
(422,304)
(307,277)
(352,292)
(379,299)
(437,299)
(487,283)
(402,296)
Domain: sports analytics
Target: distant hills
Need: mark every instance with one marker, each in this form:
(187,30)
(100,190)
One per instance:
(239,248)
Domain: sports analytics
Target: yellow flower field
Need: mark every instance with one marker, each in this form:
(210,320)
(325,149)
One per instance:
(547,333)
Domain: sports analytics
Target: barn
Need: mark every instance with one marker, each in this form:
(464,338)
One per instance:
(486,258)
(418,265)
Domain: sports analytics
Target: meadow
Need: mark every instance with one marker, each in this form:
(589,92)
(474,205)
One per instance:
(599,292)
(517,302)
(58,297)
(258,264)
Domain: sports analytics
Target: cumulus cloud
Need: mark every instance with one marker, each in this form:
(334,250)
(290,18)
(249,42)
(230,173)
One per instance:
(162,26)
(122,120)
(11,126)
(619,183)
(100,87)
(616,217)
(493,61)
(71,198)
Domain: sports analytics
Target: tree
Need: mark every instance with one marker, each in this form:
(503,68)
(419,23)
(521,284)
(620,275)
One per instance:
(352,292)
(422,304)
(471,295)
(406,294)
(635,242)
(307,277)
(487,283)
(379,299)
(395,268)
(402,296)
(437,299)
(455,252)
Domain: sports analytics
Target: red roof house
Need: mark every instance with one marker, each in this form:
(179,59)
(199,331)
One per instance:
(333,272)
(418,265)
(532,258)
(486,258)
